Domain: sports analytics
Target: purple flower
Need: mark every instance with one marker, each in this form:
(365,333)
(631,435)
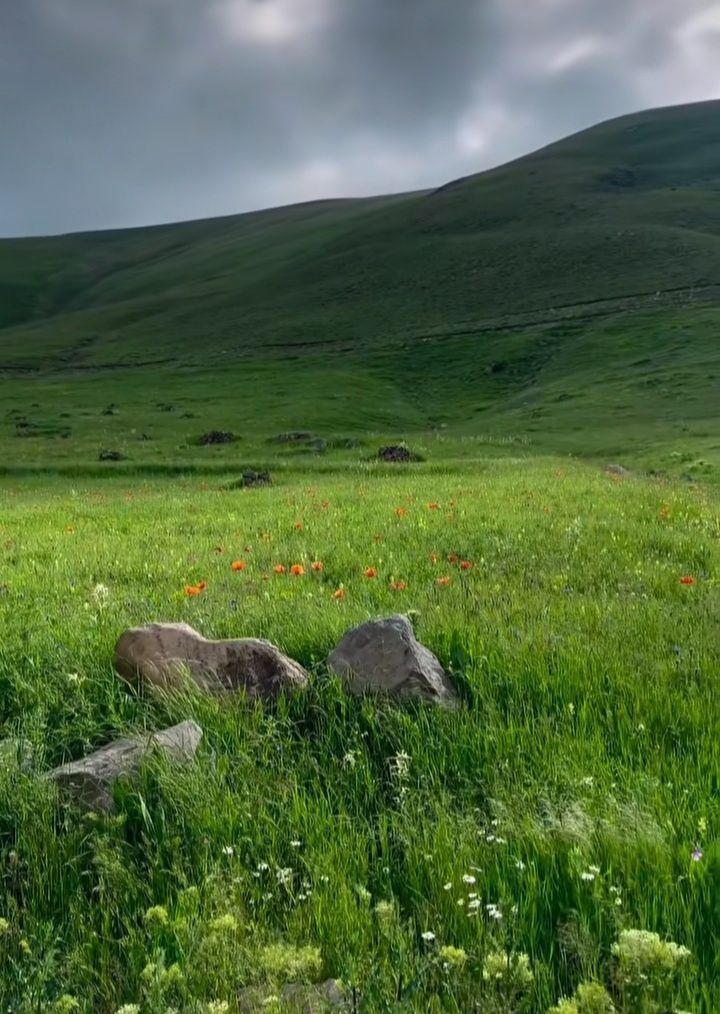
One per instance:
(696,855)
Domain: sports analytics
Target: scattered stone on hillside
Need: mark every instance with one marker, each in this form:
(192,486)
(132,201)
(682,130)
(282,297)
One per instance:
(296,997)
(108,455)
(164,655)
(293,437)
(16,753)
(397,452)
(89,782)
(317,444)
(252,478)
(384,656)
(618,470)
(216,437)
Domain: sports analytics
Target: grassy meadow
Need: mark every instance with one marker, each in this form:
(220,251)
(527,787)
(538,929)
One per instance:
(521,329)
(485,859)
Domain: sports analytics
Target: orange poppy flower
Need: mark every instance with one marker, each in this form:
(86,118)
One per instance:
(193,589)
(401,512)
(443,581)
(466,565)
(687,580)
(339,594)
(298,525)
(433,506)
(370,572)
(297,569)
(279,568)
(317,566)
(398,586)
(238,565)
(452,558)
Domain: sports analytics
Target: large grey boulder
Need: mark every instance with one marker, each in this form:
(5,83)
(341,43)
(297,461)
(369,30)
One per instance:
(165,654)
(89,782)
(384,656)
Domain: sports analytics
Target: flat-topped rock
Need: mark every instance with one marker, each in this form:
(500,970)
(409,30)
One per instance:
(90,781)
(166,654)
(384,657)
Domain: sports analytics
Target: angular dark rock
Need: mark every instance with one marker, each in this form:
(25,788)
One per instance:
(384,657)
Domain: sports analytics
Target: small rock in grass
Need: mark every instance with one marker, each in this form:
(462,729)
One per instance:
(252,478)
(216,437)
(165,654)
(384,657)
(294,437)
(398,453)
(618,470)
(108,455)
(89,782)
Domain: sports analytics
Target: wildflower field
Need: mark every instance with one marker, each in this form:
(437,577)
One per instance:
(516,854)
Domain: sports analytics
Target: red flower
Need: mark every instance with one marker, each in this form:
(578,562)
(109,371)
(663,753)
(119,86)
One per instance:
(339,594)
(370,572)
(317,566)
(297,569)
(238,565)
(401,512)
(443,581)
(298,525)
(687,580)
(398,586)
(279,568)
(466,565)
(452,558)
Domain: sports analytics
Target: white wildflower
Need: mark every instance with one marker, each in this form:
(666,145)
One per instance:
(428,936)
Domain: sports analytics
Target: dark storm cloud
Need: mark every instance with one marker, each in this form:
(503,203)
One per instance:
(119,112)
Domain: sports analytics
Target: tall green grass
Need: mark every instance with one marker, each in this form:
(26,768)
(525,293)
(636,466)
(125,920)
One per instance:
(323,836)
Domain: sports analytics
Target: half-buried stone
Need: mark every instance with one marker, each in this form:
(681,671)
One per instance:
(385,657)
(90,782)
(165,654)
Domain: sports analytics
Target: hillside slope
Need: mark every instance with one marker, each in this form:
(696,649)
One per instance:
(622,219)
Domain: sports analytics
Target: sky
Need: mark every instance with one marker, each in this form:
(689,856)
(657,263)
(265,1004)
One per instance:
(118,113)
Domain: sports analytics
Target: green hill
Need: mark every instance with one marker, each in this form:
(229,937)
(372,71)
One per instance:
(569,299)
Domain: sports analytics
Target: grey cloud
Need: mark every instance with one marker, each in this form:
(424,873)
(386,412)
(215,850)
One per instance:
(123,112)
